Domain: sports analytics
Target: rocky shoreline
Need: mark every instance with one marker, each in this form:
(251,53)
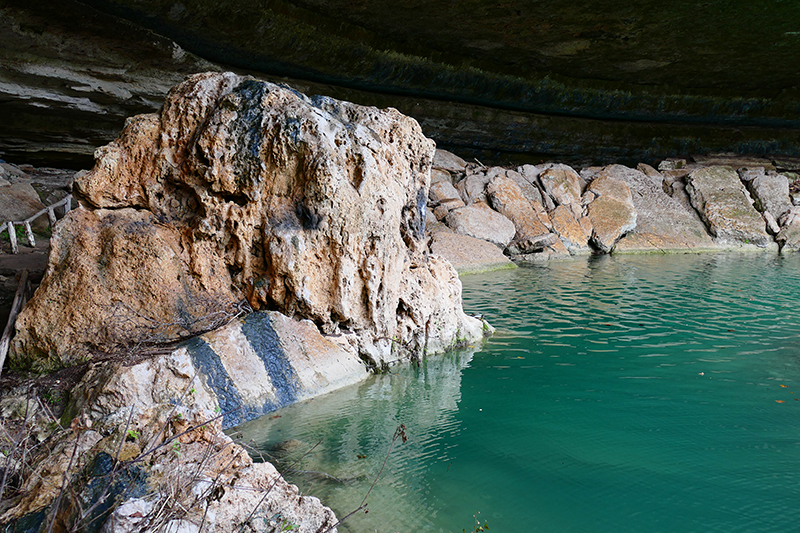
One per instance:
(248,247)
(552,211)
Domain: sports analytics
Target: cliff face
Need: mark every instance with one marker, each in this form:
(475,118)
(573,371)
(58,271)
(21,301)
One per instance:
(243,194)
(623,83)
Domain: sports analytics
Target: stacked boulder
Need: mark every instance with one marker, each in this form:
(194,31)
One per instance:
(536,212)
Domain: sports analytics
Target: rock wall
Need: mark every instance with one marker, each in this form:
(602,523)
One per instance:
(478,78)
(243,194)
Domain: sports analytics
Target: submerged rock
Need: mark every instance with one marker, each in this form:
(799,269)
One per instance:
(245,193)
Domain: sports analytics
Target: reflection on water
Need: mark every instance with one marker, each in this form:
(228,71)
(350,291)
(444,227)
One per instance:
(652,393)
(350,432)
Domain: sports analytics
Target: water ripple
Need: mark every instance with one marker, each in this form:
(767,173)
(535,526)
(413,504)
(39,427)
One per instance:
(628,394)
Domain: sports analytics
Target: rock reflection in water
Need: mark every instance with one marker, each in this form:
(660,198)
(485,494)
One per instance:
(333,446)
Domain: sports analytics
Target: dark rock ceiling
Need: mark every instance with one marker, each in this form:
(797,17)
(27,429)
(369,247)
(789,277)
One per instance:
(592,81)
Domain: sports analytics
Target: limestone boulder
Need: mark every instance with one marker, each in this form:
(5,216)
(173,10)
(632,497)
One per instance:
(559,183)
(770,192)
(468,254)
(508,199)
(772,225)
(611,211)
(244,193)
(563,185)
(650,172)
(482,222)
(448,161)
(719,196)
(441,191)
(528,187)
(440,175)
(789,236)
(662,222)
(473,187)
(12,173)
(19,201)
(573,235)
(445,206)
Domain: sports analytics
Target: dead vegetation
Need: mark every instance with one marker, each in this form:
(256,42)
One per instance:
(179,468)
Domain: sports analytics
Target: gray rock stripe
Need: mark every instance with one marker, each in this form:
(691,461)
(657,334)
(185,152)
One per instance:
(258,330)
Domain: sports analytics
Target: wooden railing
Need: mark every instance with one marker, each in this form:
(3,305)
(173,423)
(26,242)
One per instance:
(20,298)
(51,217)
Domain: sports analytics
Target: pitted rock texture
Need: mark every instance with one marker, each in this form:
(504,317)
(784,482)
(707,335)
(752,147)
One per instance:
(242,191)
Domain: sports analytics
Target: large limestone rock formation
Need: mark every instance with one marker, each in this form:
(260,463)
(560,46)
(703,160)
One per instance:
(239,194)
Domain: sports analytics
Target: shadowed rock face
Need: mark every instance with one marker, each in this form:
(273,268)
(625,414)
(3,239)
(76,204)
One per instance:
(600,81)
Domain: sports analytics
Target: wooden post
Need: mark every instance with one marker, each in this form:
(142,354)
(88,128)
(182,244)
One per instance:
(29,235)
(19,300)
(12,236)
(67,204)
(51,216)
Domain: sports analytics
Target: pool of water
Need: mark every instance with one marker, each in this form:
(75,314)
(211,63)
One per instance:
(619,394)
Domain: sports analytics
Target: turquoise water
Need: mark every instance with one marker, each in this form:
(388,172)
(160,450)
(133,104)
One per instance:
(620,394)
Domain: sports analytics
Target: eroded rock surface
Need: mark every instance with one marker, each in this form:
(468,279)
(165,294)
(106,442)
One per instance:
(532,234)
(611,211)
(662,222)
(770,193)
(242,192)
(722,200)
